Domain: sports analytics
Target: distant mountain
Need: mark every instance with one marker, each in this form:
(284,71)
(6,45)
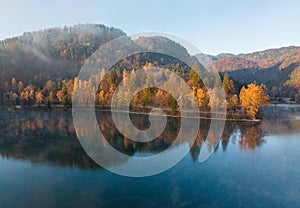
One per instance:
(272,66)
(205,58)
(284,56)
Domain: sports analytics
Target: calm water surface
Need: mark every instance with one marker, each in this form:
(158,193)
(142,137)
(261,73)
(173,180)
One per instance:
(42,164)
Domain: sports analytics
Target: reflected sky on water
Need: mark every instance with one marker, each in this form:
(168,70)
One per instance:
(42,164)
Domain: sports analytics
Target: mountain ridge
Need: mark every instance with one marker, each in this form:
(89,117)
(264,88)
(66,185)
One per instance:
(272,67)
(60,52)
(268,54)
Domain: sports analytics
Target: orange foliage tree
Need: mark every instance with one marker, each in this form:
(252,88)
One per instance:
(252,98)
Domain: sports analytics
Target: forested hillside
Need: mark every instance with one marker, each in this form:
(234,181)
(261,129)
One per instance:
(41,68)
(51,53)
(273,67)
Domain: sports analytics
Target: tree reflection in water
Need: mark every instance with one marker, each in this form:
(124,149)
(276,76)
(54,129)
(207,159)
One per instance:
(50,138)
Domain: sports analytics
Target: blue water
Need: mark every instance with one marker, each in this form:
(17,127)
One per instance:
(255,165)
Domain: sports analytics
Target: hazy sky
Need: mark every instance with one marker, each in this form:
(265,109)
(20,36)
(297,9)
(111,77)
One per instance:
(214,26)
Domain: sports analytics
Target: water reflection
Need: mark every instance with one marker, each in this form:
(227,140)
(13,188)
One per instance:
(49,137)
(42,137)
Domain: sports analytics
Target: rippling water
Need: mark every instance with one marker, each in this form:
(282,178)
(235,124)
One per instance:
(42,164)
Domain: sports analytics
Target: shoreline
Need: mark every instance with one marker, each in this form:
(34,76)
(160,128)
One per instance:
(103,108)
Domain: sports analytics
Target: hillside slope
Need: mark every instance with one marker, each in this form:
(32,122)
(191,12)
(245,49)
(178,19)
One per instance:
(59,53)
(271,67)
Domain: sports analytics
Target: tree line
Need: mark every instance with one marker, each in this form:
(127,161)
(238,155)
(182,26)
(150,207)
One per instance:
(247,100)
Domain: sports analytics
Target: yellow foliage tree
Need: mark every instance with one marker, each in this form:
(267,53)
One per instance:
(24,97)
(252,98)
(39,97)
(202,98)
(101,96)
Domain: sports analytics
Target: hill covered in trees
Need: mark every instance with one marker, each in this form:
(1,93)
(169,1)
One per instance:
(55,52)
(41,67)
(273,67)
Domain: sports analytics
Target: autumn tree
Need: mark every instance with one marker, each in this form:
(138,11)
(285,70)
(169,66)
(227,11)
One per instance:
(20,87)
(194,78)
(252,98)
(233,102)
(228,85)
(173,104)
(147,92)
(111,91)
(14,84)
(49,86)
(294,82)
(131,81)
(231,97)
(202,98)
(103,81)
(24,98)
(112,77)
(294,78)
(13,98)
(214,98)
(125,74)
(27,96)
(62,95)
(50,98)
(101,96)
(39,97)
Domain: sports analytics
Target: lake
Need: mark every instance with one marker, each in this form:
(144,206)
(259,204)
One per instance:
(42,164)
